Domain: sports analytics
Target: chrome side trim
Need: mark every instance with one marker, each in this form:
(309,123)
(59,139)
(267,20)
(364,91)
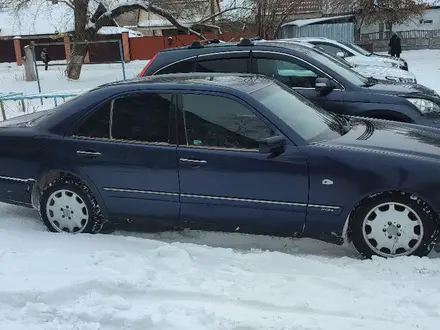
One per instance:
(10,178)
(148,192)
(246,200)
(170,64)
(318,206)
(233,52)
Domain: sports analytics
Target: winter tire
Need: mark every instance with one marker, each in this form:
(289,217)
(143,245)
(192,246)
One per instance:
(393,224)
(67,205)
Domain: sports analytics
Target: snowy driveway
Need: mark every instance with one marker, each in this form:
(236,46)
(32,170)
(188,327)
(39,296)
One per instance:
(57,281)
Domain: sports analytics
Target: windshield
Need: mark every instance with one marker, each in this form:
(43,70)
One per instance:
(357,48)
(304,117)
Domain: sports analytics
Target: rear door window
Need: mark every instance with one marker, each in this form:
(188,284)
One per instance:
(179,67)
(226,65)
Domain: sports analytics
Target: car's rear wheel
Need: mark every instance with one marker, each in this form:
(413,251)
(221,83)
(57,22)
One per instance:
(393,224)
(68,205)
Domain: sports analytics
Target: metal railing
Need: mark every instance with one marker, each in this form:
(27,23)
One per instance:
(21,98)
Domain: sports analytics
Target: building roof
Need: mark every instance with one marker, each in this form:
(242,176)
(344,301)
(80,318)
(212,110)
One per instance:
(310,21)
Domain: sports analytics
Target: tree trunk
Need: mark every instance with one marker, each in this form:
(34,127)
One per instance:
(29,67)
(260,20)
(76,61)
(357,34)
(80,35)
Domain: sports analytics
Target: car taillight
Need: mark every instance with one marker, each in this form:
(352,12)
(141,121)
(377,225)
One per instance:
(142,74)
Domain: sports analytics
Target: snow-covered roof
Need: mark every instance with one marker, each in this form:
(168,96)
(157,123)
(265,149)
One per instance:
(305,22)
(43,17)
(119,30)
(160,23)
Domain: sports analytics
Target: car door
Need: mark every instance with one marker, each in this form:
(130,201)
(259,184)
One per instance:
(127,147)
(297,74)
(225,182)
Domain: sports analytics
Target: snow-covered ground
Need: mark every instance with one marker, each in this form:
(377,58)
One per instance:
(200,280)
(12,79)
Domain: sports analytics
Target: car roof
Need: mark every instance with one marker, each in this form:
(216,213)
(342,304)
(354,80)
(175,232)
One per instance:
(227,46)
(295,41)
(243,82)
(313,39)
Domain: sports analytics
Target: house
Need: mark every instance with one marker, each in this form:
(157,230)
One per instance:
(429,21)
(49,20)
(151,24)
(49,24)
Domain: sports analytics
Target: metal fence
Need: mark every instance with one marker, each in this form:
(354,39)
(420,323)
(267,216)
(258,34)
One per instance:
(410,40)
(412,34)
(337,31)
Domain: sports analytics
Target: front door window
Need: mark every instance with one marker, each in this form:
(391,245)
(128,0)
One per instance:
(218,122)
(288,72)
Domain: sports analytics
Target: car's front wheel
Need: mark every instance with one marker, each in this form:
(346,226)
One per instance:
(393,224)
(67,205)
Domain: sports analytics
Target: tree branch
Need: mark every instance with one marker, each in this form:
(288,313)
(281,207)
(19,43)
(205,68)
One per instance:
(203,20)
(107,17)
(68,4)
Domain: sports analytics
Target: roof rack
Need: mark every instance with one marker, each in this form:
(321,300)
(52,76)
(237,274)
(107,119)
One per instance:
(245,42)
(196,44)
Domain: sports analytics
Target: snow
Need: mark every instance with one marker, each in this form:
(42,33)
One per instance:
(119,30)
(202,280)
(54,80)
(39,18)
(304,22)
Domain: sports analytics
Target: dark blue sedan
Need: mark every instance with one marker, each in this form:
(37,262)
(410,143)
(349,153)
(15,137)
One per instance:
(230,152)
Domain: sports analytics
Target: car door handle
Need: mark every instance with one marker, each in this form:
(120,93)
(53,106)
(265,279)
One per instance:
(193,161)
(88,153)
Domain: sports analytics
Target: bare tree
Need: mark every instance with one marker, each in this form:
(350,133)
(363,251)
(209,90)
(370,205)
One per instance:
(87,25)
(379,11)
(270,15)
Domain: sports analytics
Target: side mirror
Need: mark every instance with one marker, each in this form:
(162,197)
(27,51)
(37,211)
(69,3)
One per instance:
(324,86)
(273,145)
(340,54)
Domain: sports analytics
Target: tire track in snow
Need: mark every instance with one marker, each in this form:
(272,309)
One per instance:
(74,301)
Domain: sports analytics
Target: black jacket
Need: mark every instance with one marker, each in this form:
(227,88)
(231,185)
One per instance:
(395,47)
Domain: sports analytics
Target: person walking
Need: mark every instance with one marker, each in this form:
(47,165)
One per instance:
(45,57)
(395,46)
